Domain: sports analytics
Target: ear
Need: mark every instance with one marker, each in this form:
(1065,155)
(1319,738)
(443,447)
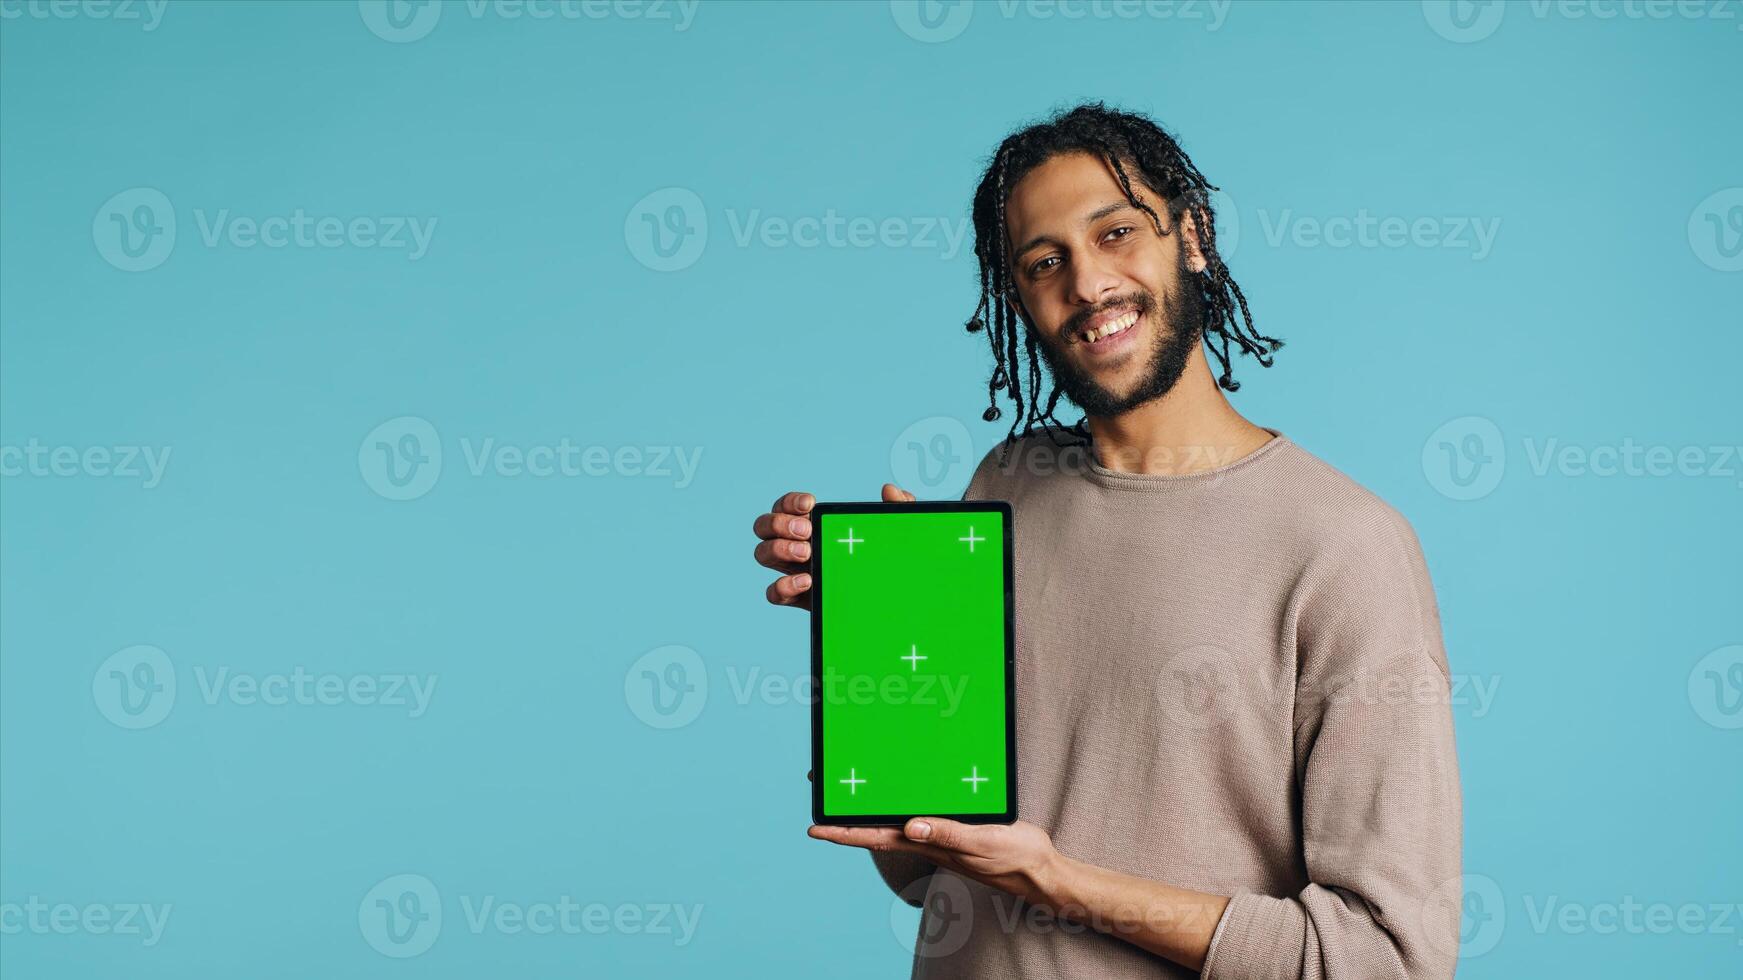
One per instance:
(1015,298)
(1189,240)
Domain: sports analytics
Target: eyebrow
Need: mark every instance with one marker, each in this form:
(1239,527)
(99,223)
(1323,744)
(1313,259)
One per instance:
(1088,219)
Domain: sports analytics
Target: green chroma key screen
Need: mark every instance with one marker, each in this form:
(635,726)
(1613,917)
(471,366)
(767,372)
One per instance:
(911,641)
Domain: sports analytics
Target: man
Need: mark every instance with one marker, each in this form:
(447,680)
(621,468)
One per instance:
(1236,747)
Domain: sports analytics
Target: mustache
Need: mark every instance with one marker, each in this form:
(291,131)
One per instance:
(1141,301)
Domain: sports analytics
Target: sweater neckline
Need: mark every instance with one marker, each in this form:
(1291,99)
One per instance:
(1119,480)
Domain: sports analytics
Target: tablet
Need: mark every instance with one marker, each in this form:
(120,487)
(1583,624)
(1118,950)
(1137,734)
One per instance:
(913,663)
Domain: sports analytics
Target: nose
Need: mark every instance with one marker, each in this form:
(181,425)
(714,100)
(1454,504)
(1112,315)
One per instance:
(1092,282)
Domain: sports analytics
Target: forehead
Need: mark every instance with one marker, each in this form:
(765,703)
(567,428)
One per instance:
(1059,193)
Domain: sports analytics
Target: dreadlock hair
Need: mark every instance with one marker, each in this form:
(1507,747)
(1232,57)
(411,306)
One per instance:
(1126,141)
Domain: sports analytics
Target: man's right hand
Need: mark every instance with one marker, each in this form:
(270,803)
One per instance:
(786,543)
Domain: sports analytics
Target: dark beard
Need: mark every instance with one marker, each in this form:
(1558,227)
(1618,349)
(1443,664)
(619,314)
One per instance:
(1183,326)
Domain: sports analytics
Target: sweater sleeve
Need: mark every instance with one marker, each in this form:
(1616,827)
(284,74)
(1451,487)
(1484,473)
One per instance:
(1378,775)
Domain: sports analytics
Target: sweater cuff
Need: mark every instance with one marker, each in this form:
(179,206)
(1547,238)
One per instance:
(1258,938)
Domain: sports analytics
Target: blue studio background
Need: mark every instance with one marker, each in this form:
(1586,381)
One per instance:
(388,390)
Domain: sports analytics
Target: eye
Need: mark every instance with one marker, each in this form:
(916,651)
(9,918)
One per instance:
(1043,265)
(1122,231)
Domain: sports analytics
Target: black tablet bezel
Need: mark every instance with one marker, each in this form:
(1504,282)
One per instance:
(818,584)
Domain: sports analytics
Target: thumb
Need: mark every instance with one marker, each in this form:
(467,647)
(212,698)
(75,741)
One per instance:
(896,495)
(933,830)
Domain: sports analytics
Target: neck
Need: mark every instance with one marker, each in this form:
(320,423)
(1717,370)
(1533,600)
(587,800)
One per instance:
(1190,429)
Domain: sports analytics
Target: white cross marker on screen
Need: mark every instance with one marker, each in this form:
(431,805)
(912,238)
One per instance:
(850,540)
(974,780)
(971,539)
(852,782)
(913,658)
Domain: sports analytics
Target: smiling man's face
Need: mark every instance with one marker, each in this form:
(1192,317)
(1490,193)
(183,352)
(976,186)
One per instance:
(1111,300)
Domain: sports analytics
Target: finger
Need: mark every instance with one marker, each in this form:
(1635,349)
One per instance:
(797,502)
(884,840)
(896,495)
(807,775)
(773,525)
(791,590)
(783,554)
(874,838)
(948,834)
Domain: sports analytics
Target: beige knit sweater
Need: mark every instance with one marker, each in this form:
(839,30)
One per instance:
(1231,682)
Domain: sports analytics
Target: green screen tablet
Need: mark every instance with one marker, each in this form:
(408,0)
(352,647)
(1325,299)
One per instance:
(913,663)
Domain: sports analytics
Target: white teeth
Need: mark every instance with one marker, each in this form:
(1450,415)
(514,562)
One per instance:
(1111,327)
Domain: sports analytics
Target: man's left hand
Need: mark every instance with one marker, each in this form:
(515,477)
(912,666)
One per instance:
(1018,858)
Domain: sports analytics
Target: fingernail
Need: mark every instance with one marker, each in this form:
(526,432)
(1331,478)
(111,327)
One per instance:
(802,581)
(920,830)
(802,550)
(802,528)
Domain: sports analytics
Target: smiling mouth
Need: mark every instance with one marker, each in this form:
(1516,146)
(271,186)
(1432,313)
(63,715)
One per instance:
(1109,327)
